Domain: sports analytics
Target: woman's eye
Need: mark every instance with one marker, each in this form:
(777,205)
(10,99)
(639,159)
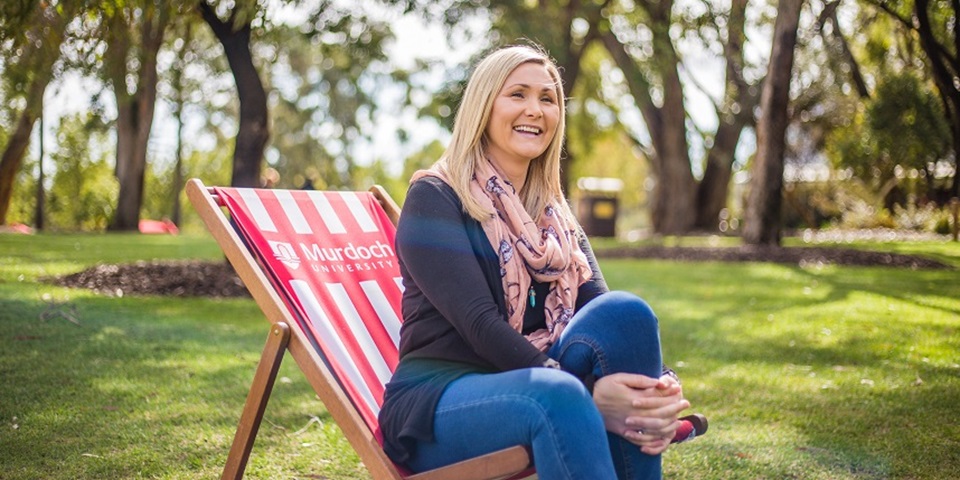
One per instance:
(517,94)
(546,99)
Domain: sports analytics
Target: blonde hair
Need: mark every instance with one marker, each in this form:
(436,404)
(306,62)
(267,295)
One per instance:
(466,148)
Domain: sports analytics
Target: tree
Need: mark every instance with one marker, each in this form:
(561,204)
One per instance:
(734,112)
(253,131)
(196,85)
(902,127)
(82,192)
(133,33)
(29,68)
(762,219)
(179,101)
(325,75)
(936,24)
(640,42)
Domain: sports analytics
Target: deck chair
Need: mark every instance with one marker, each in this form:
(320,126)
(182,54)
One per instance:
(321,266)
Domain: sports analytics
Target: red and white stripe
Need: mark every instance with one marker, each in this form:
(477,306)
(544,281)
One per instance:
(353,316)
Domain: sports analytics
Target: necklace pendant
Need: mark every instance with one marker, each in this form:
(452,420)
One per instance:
(533,296)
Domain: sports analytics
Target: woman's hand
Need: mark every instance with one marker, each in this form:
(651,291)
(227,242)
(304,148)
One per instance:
(631,404)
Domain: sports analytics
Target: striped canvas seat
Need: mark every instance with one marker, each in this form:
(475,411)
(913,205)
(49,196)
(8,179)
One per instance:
(322,268)
(331,254)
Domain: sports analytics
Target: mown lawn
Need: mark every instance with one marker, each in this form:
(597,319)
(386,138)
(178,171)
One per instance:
(822,373)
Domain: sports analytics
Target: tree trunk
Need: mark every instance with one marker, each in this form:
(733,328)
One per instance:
(41,192)
(733,115)
(131,167)
(714,188)
(178,68)
(134,111)
(570,64)
(945,67)
(766,197)
(955,187)
(18,142)
(673,199)
(41,51)
(673,203)
(829,14)
(178,169)
(253,131)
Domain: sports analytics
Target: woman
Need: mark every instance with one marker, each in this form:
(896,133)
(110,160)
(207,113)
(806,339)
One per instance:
(510,336)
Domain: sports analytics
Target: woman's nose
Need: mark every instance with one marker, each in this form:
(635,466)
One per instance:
(533,108)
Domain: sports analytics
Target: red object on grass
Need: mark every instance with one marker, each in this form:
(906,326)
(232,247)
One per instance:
(158,226)
(16,228)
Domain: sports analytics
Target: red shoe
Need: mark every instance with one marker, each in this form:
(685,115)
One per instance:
(691,426)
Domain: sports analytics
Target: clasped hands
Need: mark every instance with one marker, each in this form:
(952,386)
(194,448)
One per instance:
(642,409)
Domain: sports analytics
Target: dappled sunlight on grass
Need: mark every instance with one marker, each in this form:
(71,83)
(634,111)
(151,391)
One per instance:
(143,387)
(833,364)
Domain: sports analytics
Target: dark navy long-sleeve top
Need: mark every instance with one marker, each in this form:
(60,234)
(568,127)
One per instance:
(454,319)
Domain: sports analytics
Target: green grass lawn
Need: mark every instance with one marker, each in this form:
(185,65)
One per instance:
(821,373)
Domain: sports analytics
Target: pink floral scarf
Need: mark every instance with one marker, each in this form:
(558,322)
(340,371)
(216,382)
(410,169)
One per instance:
(546,251)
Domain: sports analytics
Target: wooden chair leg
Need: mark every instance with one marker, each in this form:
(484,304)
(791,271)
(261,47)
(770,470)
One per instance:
(256,402)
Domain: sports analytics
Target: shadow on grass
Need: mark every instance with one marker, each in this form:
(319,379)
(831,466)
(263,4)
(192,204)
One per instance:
(142,387)
(811,373)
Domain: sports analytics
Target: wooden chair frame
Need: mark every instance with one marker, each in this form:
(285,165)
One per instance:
(282,338)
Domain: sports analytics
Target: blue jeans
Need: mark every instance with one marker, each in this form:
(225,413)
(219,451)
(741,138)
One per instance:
(550,410)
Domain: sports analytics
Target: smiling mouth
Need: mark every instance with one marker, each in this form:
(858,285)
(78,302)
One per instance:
(527,129)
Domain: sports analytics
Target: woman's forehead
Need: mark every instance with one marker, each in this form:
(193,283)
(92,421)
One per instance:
(532,75)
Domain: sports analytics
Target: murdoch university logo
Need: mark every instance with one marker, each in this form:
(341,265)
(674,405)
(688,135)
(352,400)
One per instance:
(285,253)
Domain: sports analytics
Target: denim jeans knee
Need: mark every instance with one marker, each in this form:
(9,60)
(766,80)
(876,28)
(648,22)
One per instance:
(616,332)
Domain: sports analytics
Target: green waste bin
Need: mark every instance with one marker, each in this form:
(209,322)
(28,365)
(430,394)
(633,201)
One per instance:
(598,205)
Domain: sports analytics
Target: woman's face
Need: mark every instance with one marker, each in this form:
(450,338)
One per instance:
(524,116)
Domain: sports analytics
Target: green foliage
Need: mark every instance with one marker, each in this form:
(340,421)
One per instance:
(24,199)
(852,205)
(858,214)
(158,194)
(923,42)
(907,122)
(601,144)
(419,160)
(927,218)
(902,127)
(213,168)
(833,203)
(14,16)
(325,74)
(84,191)
(365,176)
(425,158)
(30,37)
(197,84)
